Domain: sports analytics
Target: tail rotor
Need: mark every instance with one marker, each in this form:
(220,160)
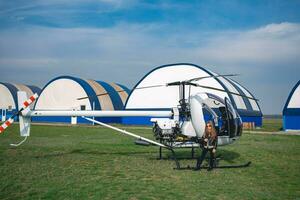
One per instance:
(24,120)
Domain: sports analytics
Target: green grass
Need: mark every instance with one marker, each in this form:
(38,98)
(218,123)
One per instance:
(97,163)
(271,125)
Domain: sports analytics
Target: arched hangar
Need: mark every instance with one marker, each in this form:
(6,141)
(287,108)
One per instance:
(164,98)
(291,110)
(9,99)
(67,93)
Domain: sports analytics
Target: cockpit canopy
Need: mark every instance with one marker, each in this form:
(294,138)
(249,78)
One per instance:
(225,118)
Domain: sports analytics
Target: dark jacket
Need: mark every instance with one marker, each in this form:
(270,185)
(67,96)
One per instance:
(209,142)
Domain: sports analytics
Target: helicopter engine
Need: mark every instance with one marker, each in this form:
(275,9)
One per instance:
(188,124)
(165,129)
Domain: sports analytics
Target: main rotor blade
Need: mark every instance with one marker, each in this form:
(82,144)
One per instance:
(168,84)
(214,76)
(217,89)
(198,78)
(151,86)
(97,95)
(106,93)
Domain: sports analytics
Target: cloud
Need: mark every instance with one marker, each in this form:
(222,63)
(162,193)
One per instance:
(267,57)
(44,6)
(269,44)
(63,14)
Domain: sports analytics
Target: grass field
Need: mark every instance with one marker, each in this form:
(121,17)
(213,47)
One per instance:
(97,163)
(271,125)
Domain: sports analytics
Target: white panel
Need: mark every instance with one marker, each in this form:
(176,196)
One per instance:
(24,121)
(62,94)
(197,115)
(6,98)
(295,100)
(254,105)
(168,97)
(240,104)
(252,102)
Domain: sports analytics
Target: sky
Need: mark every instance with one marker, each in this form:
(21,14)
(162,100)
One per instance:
(121,41)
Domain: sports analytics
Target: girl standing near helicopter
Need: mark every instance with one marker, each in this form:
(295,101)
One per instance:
(209,139)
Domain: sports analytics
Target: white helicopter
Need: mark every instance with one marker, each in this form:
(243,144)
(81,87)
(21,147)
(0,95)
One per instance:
(182,128)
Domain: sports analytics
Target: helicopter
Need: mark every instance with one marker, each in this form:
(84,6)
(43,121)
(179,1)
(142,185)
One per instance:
(181,127)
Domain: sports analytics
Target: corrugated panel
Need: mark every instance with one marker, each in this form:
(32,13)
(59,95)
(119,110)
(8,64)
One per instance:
(104,100)
(114,95)
(123,95)
(124,88)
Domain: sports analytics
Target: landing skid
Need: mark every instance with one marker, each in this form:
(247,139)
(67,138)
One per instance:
(178,167)
(217,167)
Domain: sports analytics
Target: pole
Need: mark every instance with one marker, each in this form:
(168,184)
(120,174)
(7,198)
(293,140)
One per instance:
(93,109)
(126,132)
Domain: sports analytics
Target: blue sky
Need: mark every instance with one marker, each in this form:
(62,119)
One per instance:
(114,40)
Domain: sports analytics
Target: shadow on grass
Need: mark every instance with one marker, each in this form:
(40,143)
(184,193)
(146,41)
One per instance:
(83,151)
(228,156)
(224,155)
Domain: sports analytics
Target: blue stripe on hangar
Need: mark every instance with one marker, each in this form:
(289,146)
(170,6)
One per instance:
(115,98)
(126,89)
(34,89)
